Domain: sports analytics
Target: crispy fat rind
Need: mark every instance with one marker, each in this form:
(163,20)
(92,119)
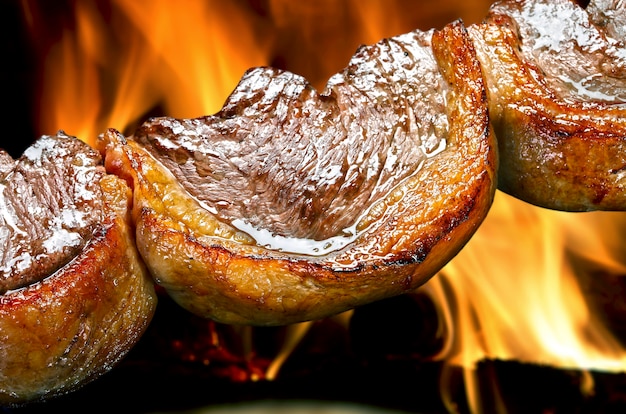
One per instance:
(76,324)
(557,150)
(233,281)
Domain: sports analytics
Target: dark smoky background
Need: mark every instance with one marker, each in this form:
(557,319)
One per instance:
(17,74)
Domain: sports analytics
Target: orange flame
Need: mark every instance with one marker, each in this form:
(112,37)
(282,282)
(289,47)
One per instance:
(111,69)
(118,60)
(512,292)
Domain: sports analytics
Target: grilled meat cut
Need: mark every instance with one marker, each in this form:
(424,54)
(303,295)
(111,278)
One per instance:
(74,293)
(556,77)
(289,204)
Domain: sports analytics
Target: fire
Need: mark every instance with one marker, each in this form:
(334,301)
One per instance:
(118,61)
(112,62)
(513,292)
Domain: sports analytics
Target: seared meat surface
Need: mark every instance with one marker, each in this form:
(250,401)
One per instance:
(50,204)
(303,164)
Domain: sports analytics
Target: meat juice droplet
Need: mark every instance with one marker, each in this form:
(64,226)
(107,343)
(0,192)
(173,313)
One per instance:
(296,245)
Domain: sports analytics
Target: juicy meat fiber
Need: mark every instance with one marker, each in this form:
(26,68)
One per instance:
(304,165)
(51,204)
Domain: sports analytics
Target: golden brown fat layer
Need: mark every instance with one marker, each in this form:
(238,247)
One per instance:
(232,282)
(60,333)
(557,150)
